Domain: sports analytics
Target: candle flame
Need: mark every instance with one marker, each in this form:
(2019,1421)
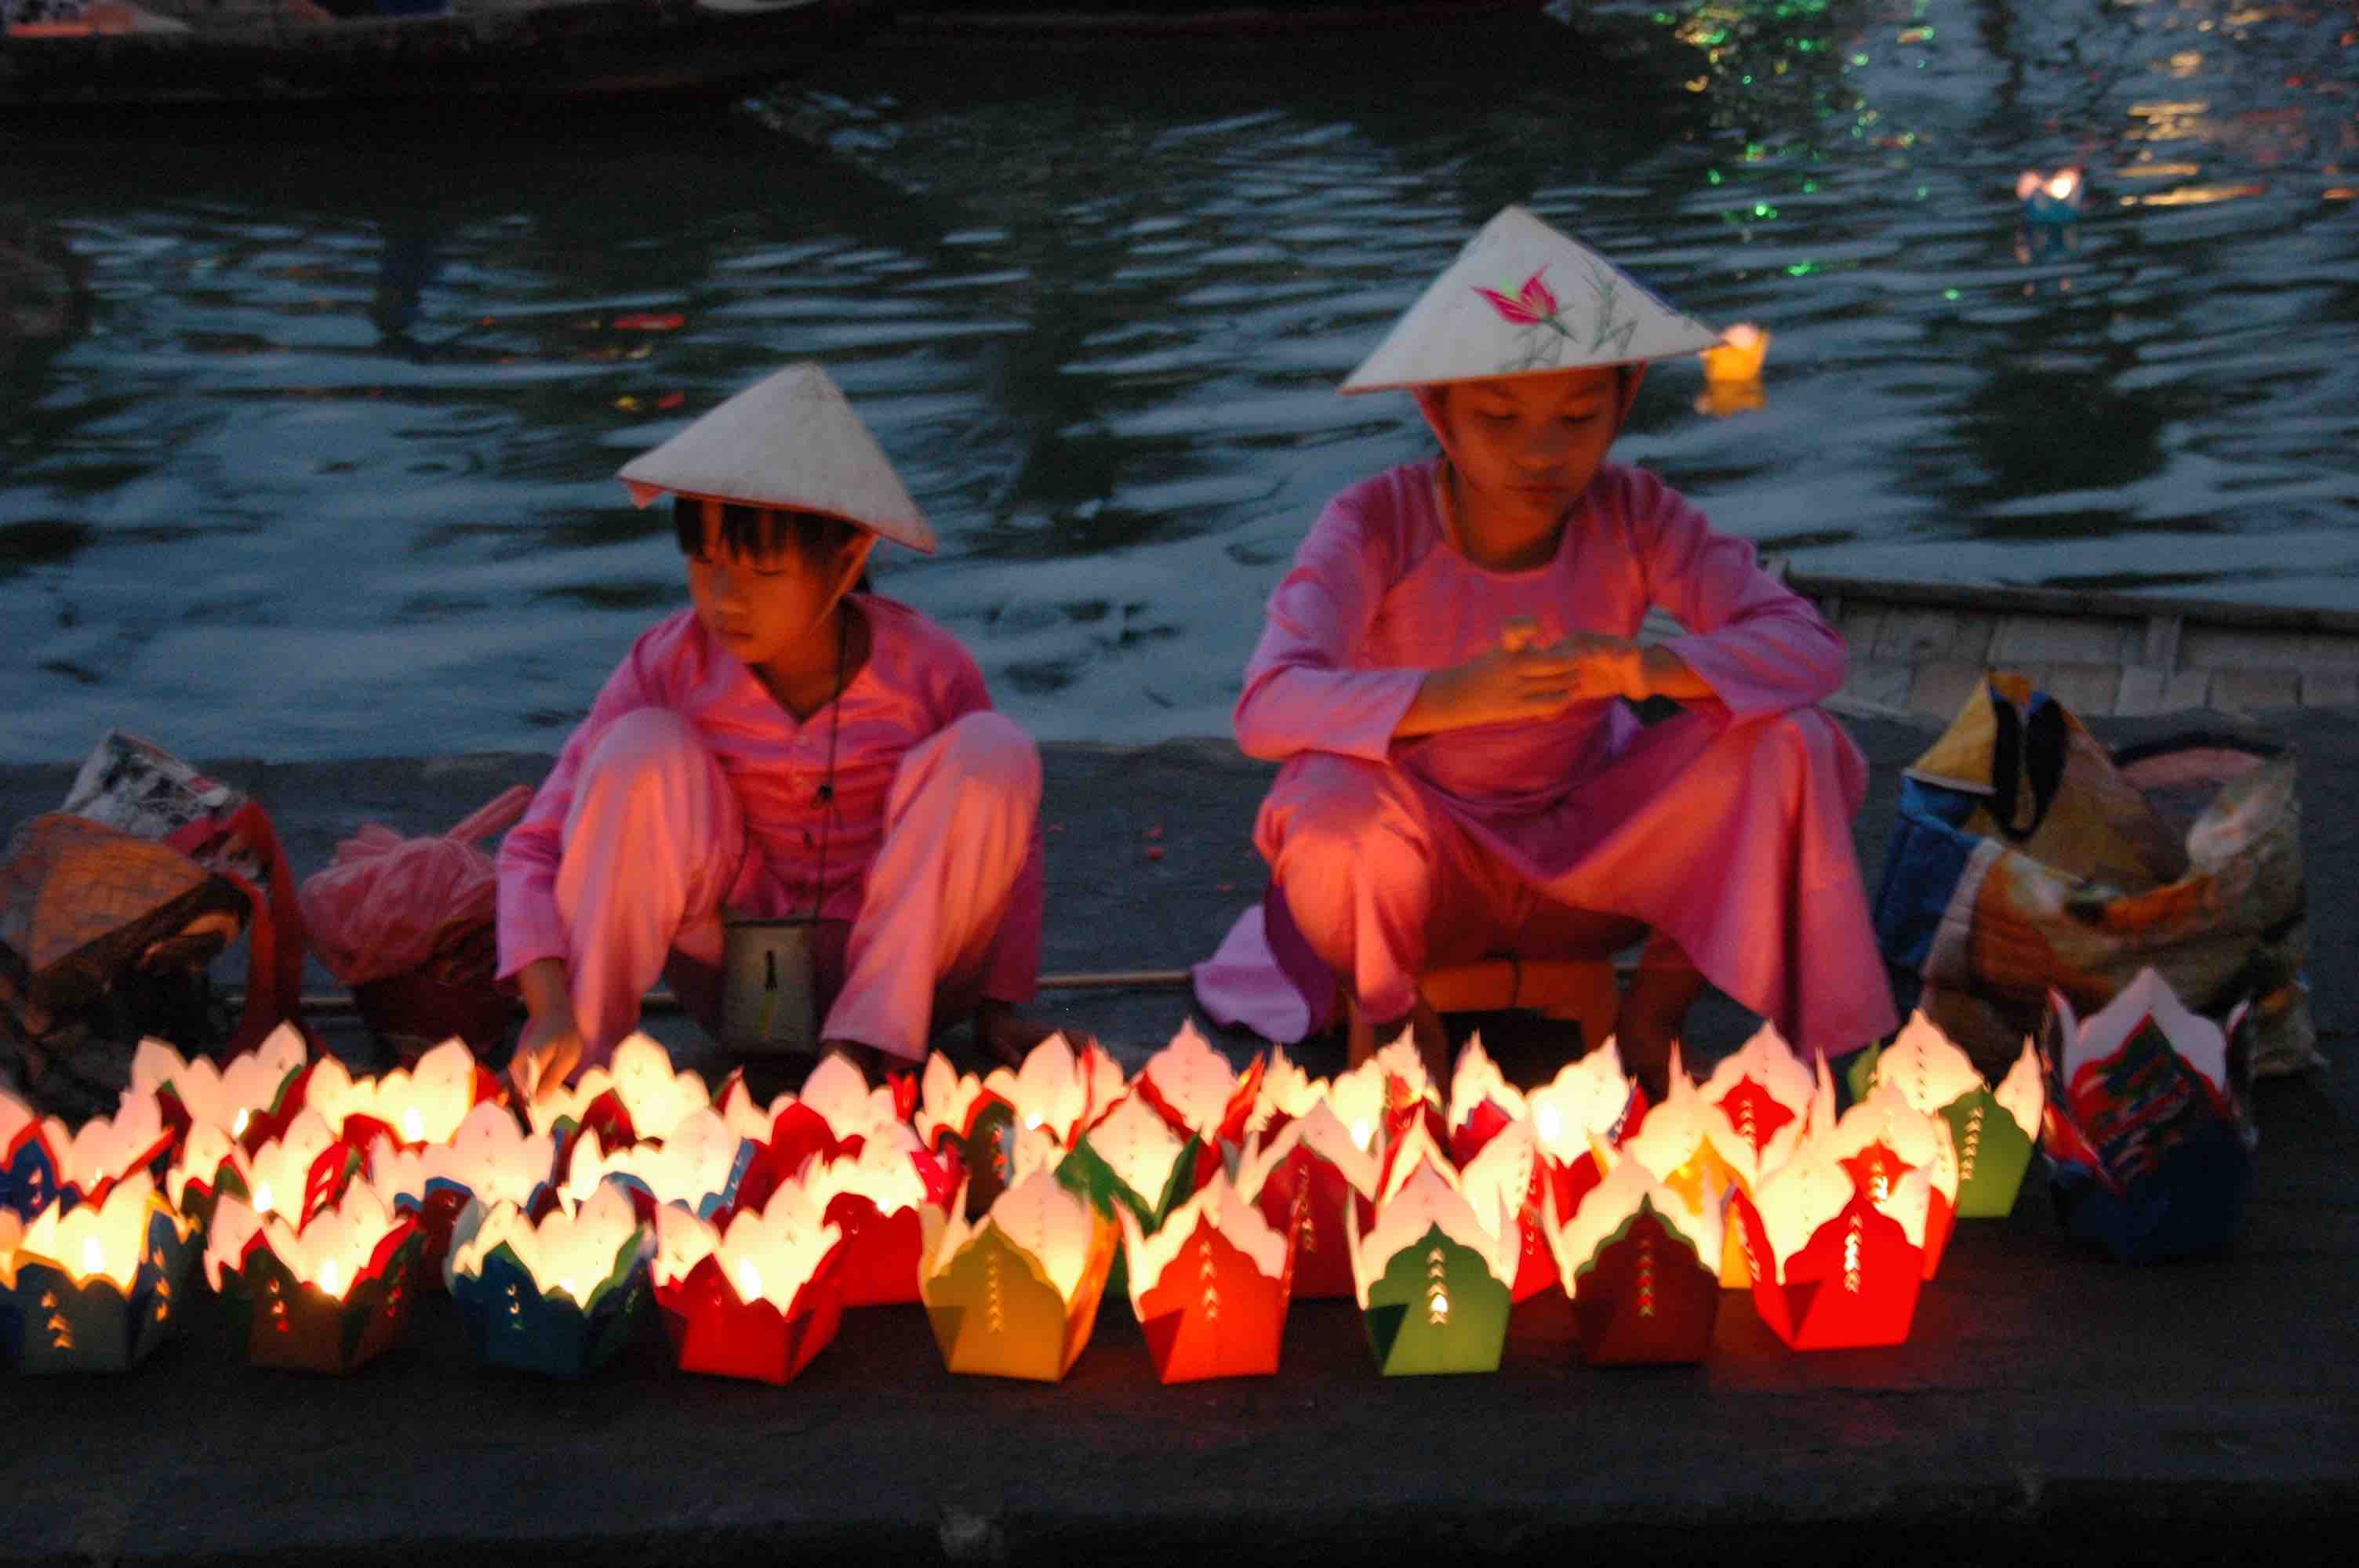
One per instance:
(1550,1122)
(93,1257)
(237,1128)
(1362,1131)
(1032,1120)
(331,1277)
(749,1280)
(262,1203)
(2063,183)
(566,1286)
(413,1126)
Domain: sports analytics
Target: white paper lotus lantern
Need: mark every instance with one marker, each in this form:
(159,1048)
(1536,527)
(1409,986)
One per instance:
(638,1097)
(1133,1160)
(1308,1180)
(294,1175)
(1505,1177)
(698,1166)
(1690,1145)
(412,1106)
(1590,1101)
(326,1295)
(560,1295)
(1197,1091)
(1356,1100)
(42,1162)
(1992,1129)
(96,1286)
(1766,1090)
(1434,1279)
(490,1160)
(1210,1288)
(231,1095)
(757,1298)
(1482,1101)
(1016,1293)
(1642,1268)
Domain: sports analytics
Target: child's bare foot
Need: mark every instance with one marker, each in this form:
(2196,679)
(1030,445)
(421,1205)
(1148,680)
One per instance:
(1006,1035)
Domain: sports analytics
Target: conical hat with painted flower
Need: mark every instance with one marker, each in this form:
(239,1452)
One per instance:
(1521,299)
(789,441)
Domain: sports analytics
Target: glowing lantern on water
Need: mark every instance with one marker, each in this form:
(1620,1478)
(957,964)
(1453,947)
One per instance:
(699,1166)
(95,1288)
(1737,357)
(560,1296)
(325,1296)
(2148,1130)
(755,1299)
(256,1092)
(1884,1139)
(2051,198)
(410,1107)
(1832,1267)
(1305,1180)
(1589,1101)
(1133,1161)
(1642,1268)
(1015,1294)
(490,1160)
(1991,1129)
(1434,1279)
(880,1199)
(1198,1092)
(637,1097)
(1210,1288)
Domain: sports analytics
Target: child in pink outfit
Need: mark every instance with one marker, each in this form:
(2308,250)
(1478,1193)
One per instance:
(1439,675)
(785,746)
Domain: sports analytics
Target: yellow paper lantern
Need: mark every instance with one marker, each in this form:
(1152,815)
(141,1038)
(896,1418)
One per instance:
(1690,1145)
(1015,1294)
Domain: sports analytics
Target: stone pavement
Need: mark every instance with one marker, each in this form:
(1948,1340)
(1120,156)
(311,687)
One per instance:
(2050,1405)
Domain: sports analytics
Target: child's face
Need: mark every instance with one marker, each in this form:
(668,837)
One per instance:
(760,606)
(1528,444)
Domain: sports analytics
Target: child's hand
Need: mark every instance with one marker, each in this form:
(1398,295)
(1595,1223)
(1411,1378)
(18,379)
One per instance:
(1511,685)
(546,1053)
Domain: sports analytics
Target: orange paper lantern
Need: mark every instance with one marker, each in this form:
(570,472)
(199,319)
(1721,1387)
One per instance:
(1210,1288)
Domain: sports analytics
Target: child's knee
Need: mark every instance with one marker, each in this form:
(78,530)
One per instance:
(646,742)
(990,753)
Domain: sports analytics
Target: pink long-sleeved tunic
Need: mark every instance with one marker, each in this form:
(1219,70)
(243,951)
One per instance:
(1696,827)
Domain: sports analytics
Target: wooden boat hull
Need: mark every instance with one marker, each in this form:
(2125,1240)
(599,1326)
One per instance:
(594,49)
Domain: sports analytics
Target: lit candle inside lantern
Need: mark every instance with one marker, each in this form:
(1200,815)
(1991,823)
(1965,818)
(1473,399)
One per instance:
(1738,356)
(699,1166)
(490,1160)
(229,1095)
(1016,1293)
(325,1295)
(1434,1279)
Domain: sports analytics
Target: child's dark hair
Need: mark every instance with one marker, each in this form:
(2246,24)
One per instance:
(759,532)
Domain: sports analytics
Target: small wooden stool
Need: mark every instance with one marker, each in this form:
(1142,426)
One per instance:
(1584,990)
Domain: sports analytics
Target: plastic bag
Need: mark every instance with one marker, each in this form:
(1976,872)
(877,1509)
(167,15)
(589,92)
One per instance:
(388,903)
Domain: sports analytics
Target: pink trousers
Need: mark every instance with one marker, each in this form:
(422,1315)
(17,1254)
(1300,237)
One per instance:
(1732,840)
(656,850)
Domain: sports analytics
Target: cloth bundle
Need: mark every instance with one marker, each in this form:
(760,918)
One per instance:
(2026,856)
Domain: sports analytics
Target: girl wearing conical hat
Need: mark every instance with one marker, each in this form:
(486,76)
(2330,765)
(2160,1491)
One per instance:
(1439,674)
(788,743)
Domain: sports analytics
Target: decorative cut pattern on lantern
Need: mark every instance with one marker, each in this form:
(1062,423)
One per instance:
(1434,1280)
(303,1170)
(1642,1268)
(1992,1130)
(328,1296)
(2148,1131)
(1590,1101)
(1505,1177)
(95,1288)
(756,1299)
(880,1200)
(1831,1267)
(1209,1288)
(491,1160)
(1883,1139)
(411,1107)
(1764,1089)
(559,1297)
(254,1092)
(1356,1100)
(1307,1180)
(1015,1294)
(698,1166)
(42,1164)
(1198,1092)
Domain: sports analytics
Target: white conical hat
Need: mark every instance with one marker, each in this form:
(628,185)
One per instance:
(789,440)
(1522,298)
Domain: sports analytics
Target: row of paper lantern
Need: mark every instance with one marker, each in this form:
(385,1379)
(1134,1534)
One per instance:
(1010,1204)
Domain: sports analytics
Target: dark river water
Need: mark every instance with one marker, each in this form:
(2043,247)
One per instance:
(307,429)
